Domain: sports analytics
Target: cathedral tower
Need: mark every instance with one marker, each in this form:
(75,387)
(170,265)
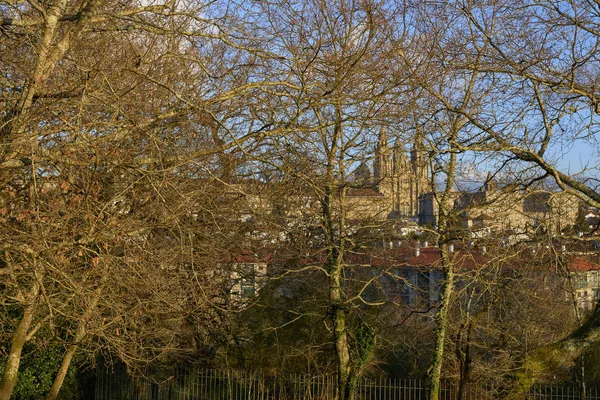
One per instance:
(400,179)
(382,165)
(419,173)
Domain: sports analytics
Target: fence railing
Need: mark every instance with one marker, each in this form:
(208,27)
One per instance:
(208,384)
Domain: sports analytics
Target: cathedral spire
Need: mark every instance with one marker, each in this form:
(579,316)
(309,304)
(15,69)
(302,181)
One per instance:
(382,165)
(490,183)
(420,183)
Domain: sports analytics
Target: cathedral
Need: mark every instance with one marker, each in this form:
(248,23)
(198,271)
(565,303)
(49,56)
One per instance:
(397,182)
(400,188)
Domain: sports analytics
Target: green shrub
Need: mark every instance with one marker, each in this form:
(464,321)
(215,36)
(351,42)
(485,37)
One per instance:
(37,371)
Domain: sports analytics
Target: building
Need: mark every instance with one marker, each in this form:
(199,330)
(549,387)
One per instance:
(398,185)
(399,179)
(411,273)
(507,209)
(241,276)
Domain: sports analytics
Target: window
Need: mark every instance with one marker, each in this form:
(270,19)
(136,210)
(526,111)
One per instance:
(248,281)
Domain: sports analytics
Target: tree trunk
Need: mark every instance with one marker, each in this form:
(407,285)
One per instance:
(441,319)
(44,64)
(341,351)
(333,225)
(445,228)
(62,372)
(464,356)
(11,370)
(79,335)
(340,333)
(580,377)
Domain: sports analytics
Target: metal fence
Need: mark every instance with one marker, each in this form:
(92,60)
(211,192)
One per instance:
(207,384)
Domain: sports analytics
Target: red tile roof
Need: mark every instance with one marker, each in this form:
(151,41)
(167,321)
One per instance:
(246,256)
(582,265)
(429,257)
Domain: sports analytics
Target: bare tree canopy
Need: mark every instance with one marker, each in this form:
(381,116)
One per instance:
(281,185)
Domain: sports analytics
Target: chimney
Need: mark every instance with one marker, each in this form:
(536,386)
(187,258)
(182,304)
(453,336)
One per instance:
(417,250)
(425,244)
(451,248)
(483,250)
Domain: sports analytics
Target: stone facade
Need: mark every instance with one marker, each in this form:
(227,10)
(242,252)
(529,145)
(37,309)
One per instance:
(399,178)
(401,187)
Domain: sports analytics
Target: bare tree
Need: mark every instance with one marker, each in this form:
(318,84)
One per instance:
(335,59)
(109,111)
(530,64)
(448,141)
